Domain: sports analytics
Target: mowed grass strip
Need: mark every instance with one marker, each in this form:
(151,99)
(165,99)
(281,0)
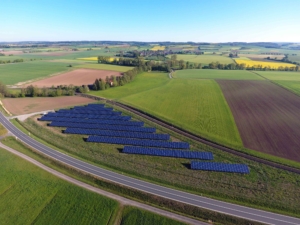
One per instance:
(104,67)
(280,75)
(195,105)
(19,72)
(205,59)
(3,130)
(216,74)
(30,195)
(132,215)
(293,86)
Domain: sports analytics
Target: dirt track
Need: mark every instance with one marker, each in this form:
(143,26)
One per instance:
(76,77)
(266,115)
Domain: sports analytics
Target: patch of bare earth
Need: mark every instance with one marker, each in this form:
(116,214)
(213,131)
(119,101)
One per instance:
(266,115)
(20,106)
(76,77)
(12,52)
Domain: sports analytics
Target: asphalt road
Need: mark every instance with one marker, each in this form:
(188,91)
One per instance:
(180,196)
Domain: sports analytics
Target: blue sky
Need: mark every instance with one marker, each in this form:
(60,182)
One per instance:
(150,20)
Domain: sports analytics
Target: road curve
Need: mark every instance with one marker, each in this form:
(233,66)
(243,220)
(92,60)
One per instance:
(180,196)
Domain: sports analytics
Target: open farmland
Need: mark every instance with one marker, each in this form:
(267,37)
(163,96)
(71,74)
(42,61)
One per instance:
(293,86)
(272,65)
(19,106)
(30,195)
(157,48)
(20,72)
(216,74)
(260,56)
(267,116)
(280,75)
(176,100)
(205,59)
(104,67)
(76,77)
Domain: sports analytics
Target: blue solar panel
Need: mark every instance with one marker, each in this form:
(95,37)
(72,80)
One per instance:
(48,116)
(95,121)
(168,153)
(126,134)
(220,167)
(138,142)
(103,127)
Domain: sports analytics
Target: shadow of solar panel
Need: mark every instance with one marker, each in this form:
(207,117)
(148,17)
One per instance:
(138,142)
(168,153)
(220,167)
(103,127)
(127,134)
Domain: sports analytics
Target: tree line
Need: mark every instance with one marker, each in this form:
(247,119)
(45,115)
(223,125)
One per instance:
(11,61)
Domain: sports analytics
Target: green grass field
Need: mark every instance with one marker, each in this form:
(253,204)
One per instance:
(20,72)
(216,74)
(294,58)
(280,75)
(3,131)
(176,100)
(293,86)
(205,59)
(104,67)
(29,195)
(137,216)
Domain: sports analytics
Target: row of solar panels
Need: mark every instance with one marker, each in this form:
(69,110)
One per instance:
(96,112)
(168,153)
(88,116)
(220,167)
(103,127)
(94,121)
(138,142)
(111,133)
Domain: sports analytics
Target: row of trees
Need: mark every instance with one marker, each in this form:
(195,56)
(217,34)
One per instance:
(11,61)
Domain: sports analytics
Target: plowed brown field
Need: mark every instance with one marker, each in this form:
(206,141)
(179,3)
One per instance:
(20,106)
(267,116)
(76,77)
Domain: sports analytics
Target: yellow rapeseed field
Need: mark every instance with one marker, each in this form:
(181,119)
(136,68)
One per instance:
(157,48)
(272,65)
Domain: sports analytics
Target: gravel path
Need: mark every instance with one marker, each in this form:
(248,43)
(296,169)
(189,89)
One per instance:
(118,198)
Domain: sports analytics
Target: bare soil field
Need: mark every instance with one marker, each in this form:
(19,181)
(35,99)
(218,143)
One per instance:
(57,53)
(20,106)
(76,77)
(259,57)
(12,52)
(266,115)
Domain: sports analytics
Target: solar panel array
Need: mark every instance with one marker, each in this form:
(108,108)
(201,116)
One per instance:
(112,133)
(107,126)
(220,167)
(138,142)
(168,153)
(95,121)
(103,127)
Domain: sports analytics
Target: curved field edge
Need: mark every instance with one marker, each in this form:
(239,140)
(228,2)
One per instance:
(224,184)
(165,204)
(35,196)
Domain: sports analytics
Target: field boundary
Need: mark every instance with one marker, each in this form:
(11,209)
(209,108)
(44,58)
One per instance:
(195,137)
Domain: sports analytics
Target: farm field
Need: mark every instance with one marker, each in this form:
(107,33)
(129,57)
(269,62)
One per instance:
(169,99)
(20,106)
(20,72)
(280,75)
(295,58)
(216,74)
(97,66)
(30,195)
(137,216)
(260,56)
(266,115)
(272,65)
(205,59)
(76,77)
(157,48)
(293,86)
